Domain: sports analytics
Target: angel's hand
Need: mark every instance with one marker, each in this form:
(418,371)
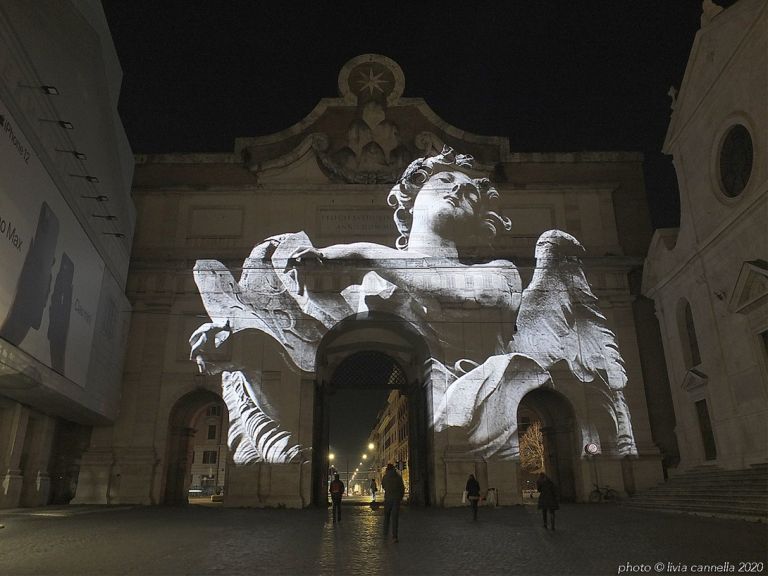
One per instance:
(308,254)
(218,331)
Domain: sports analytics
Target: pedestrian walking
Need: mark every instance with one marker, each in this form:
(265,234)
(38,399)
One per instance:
(548,500)
(374,489)
(337,490)
(394,490)
(473,494)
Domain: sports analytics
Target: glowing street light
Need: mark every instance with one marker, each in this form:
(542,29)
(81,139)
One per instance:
(331,456)
(371,446)
(365,456)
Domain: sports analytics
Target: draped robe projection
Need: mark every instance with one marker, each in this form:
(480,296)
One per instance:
(440,203)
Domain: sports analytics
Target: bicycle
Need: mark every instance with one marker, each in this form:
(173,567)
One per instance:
(606,494)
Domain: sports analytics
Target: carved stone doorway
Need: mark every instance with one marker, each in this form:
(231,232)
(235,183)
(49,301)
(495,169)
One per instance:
(383,355)
(555,417)
(187,416)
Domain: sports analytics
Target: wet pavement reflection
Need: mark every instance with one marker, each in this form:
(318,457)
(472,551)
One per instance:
(199,540)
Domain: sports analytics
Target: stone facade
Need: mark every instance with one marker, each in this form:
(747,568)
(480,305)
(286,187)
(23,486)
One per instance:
(329,176)
(709,278)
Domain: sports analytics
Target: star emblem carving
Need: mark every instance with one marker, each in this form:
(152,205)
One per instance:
(371,82)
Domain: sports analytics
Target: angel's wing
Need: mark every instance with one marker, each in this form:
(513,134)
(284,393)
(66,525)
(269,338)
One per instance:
(484,402)
(559,319)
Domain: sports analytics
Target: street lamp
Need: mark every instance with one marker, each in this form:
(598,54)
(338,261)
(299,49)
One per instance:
(365,456)
(371,446)
(331,456)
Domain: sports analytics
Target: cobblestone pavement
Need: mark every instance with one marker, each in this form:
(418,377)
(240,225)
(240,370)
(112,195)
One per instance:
(590,540)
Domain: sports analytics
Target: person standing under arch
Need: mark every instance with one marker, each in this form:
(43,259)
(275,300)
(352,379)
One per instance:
(473,494)
(548,500)
(394,490)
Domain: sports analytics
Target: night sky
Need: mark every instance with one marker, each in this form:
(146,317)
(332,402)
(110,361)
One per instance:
(549,75)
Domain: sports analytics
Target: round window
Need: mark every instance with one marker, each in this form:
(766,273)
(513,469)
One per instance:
(735,160)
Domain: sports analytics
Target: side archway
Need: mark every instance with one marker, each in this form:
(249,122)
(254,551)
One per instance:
(181,442)
(560,437)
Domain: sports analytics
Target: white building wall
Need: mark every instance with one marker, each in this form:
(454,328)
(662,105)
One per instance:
(717,259)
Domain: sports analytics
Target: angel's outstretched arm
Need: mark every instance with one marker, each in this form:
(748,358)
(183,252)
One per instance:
(260,300)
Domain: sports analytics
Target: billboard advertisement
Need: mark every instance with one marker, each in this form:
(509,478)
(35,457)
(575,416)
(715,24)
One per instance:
(50,273)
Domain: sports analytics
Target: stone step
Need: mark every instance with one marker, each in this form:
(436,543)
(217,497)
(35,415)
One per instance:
(710,490)
(721,477)
(752,475)
(719,481)
(672,498)
(757,513)
(759,504)
(754,510)
(696,504)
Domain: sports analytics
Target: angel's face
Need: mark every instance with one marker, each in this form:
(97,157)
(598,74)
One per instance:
(449,203)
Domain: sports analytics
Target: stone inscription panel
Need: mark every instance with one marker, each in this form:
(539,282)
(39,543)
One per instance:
(215,222)
(356,222)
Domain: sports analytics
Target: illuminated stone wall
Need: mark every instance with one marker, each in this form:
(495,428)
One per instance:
(246,263)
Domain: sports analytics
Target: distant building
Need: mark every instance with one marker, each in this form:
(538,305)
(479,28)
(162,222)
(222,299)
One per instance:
(209,457)
(391,437)
(709,278)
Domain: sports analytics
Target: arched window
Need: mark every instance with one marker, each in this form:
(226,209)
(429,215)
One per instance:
(690,343)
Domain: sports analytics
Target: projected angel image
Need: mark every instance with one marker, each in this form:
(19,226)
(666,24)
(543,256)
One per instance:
(441,205)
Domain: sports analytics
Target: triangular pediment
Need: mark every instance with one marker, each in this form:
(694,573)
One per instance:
(370,133)
(751,288)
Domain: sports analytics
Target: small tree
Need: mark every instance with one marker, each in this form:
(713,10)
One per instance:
(532,449)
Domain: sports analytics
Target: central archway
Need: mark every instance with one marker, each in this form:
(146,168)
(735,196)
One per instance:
(382,352)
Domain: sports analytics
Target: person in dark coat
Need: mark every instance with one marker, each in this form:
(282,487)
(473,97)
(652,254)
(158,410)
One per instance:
(473,494)
(394,490)
(547,498)
(337,490)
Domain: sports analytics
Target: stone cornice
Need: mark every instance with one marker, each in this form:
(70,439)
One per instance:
(573,157)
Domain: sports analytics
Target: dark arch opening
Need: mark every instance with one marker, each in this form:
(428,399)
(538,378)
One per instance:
(373,351)
(369,369)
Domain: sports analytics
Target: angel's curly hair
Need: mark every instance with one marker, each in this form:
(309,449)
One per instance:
(403,194)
